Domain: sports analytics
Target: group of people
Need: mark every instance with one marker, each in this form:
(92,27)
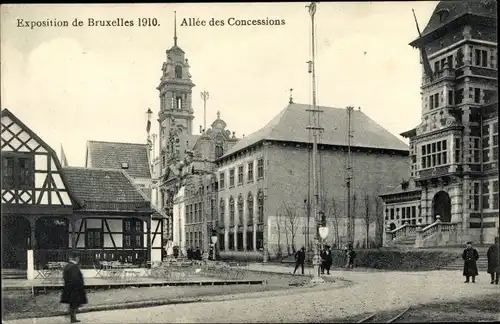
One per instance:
(470,256)
(326,259)
(193,254)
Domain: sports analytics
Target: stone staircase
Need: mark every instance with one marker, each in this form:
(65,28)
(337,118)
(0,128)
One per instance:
(406,242)
(14,274)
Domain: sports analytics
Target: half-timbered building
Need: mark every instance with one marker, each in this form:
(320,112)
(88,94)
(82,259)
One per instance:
(52,209)
(36,199)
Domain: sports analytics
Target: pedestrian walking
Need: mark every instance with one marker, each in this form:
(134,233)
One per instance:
(197,254)
(300,257)
(470,257)
(351,256)
(189,253)
(328,259)
(494,261)
(73,292)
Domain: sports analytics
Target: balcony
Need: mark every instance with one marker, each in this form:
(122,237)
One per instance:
(445,74)
(485,72)
(435,172)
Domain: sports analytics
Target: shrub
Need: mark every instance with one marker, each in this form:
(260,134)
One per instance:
(396,260)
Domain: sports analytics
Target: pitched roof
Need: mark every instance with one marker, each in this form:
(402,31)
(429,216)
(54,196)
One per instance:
(290,126)
(111,155)
(91,185)
(457,9)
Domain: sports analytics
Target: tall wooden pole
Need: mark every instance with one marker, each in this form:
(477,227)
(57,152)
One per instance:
(204,96)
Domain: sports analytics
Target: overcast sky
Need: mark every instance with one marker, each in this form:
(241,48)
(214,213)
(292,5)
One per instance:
(76,84)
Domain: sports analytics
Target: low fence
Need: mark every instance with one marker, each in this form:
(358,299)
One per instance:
(89,257)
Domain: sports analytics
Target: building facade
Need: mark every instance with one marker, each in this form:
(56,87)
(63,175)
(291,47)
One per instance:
(454,150)
(49,209)
(186,160)
(263,182)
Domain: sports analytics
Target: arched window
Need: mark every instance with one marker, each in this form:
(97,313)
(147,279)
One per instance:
(260,207)
(178,72)
(221,211)
(240,210)
(231,211)
(250,209)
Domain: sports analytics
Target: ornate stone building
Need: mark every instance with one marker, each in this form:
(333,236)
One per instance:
(454,150)
(185,159)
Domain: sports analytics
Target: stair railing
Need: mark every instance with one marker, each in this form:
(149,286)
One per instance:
(438,227)
(400,232)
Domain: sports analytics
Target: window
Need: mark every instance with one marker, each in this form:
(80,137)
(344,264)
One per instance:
(477,95)
(260,168)
(495,194)
(481,58)
(474,197)
(178,102)
(489,96)
(250,209)
(459,96)
(450,97)
(457,150)
(212,209)
(250,172)
(240,175)
(133,233)
(260,207)
(186,212)
(475,150)
(434,154)
(413,212)
(240,210)
(449,60)
(200,212)
(178,72)
(460,57)
(221,211)
(219,150)
(392,213)
(486,195)
(231,211)
(436,66)
(494,146)
(486,143)
(231,178)
(195,213)
(434,101)
(93,238)
(17,172)
(221,180)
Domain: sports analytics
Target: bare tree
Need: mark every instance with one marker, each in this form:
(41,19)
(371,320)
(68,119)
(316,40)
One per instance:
(367,218)
(292,221)
(379,221)
(279,219)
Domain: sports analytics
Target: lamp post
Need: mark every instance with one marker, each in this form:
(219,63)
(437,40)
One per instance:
(214,241)
(204,96)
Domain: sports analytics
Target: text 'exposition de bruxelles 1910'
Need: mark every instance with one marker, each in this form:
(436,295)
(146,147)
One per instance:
(146,22)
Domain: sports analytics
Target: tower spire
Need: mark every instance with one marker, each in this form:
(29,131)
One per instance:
(175,28)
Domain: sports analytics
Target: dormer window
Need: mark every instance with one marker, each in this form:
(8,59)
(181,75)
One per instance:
(178,72)
(443,14)
(124,165)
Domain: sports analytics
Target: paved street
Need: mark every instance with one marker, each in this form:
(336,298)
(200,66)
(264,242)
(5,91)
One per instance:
(372,291)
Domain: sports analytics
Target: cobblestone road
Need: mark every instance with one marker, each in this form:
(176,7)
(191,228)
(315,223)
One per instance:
(372,291)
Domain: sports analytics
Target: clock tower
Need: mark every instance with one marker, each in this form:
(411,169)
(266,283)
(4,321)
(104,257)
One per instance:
(176,111)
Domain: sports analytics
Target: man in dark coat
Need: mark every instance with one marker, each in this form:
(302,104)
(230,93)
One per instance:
(470,257)
(351,256)
(197,254)
(327,257)
(73,292)
(494,261)
(300,257)
(322,255)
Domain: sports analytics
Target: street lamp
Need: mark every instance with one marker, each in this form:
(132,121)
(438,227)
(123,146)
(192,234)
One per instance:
(214,241)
